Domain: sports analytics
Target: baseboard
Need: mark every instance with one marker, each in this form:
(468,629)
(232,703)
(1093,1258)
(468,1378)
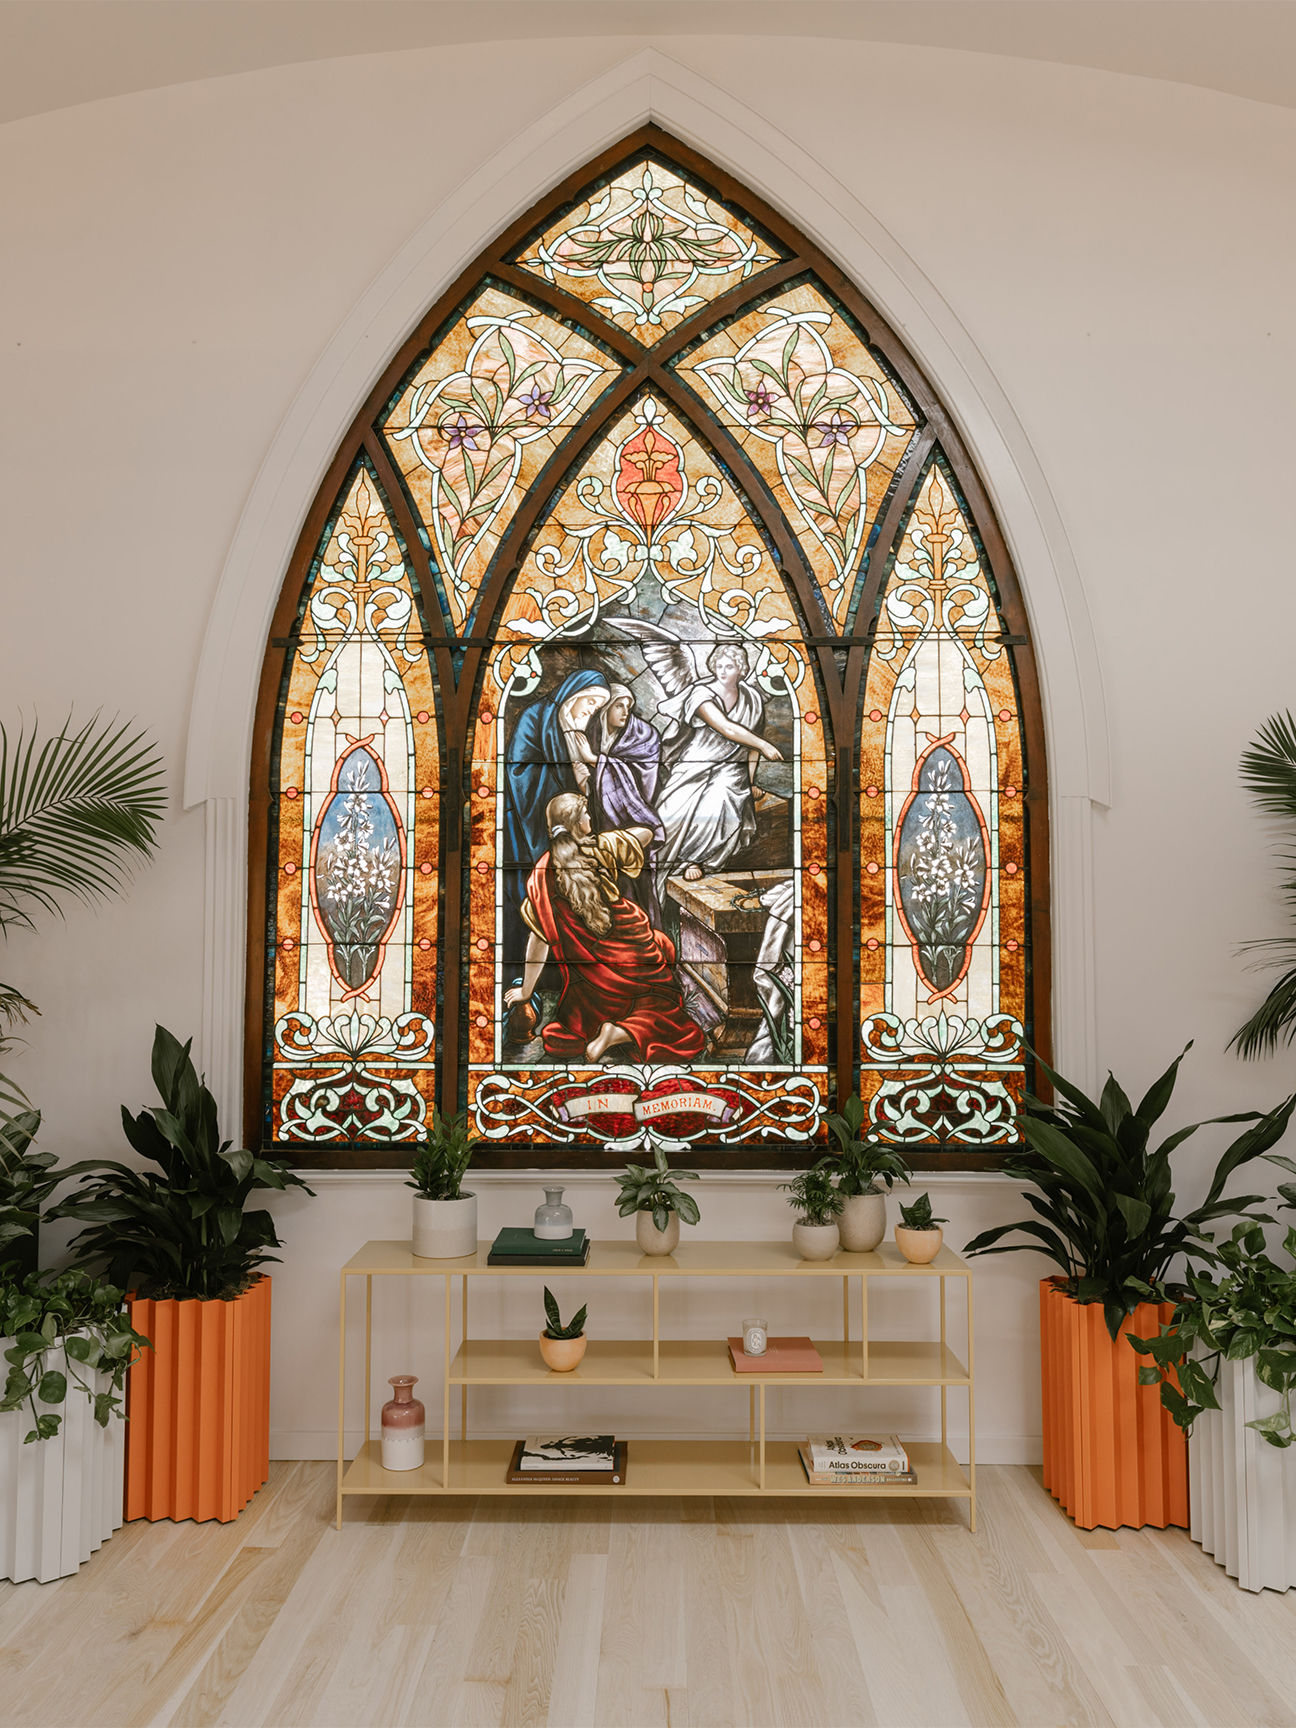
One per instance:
(319,1445)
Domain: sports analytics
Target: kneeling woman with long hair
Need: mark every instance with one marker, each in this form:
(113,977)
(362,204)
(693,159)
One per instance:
(618,973)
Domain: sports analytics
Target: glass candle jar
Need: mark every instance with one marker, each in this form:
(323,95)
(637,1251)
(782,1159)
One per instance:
(754,1334)
(553,1220)
(402,1426)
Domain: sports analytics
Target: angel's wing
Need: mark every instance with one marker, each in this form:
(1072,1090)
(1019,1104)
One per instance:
(671,661)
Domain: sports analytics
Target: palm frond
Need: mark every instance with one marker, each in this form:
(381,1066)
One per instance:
(1275,1018)
(1269,767)
(75,811)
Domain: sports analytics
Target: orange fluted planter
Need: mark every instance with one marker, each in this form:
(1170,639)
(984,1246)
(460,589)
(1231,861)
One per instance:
(1112,1454)
(198,1406)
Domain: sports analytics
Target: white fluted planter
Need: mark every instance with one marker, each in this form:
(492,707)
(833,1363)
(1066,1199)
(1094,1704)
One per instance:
(60,1499)
(1242,1490)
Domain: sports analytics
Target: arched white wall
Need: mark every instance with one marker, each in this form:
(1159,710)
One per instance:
(647,85)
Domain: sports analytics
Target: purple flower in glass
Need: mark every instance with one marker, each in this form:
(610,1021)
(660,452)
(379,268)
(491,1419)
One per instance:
(836,429)
(759,401)
(537,402)
(462,433)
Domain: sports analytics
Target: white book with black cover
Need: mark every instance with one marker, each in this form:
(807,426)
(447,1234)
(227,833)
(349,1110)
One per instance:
(568,1452)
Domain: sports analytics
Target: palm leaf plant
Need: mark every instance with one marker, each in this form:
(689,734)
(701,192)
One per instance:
(1269,769)
(815,1198)
(862,1163)
(184,1230)
(657,1190)
(1105,1209)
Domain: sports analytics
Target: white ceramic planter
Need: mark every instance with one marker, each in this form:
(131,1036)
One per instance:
(862,1222)
(445,1229)
(651,1240)
(60,1499)
(1242,1490)
(816,1241)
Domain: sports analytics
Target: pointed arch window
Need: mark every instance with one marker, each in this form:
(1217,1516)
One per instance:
(649,749)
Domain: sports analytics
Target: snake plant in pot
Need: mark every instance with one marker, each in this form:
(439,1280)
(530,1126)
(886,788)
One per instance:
(1107,1215)
(183,1241)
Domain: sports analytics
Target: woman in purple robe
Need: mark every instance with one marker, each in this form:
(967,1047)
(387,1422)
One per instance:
(623,786)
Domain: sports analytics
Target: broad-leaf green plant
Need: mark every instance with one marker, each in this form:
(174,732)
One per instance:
(918,1216)
(862,1162)
(44,1311)
(656,1190)
(184,1230)
(442,1159)
(27,1179)
(815,1197)
(1105,1209)
(554,1327)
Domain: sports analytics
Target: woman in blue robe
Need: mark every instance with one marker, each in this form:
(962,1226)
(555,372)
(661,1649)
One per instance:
(547,754)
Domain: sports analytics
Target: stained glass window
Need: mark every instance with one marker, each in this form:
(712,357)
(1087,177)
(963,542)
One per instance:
(653,756)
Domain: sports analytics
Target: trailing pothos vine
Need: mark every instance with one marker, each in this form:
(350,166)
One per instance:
(78,1315)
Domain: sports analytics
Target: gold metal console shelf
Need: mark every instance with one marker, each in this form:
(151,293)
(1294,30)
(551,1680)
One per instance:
(667,1466)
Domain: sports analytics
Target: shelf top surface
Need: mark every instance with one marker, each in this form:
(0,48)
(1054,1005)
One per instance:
(622,1257)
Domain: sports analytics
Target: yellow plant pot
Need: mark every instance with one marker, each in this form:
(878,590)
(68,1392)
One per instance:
(562,1354)
(919,1246)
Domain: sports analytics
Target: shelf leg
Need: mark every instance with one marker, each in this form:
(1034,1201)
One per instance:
(762,1436)
(944,1425)
(463,1404)
(445,1371)
(864,1371)
(341,1390)
(751,1415)
(971,1415)
(656,1329)
(368,1351)
(846,1310)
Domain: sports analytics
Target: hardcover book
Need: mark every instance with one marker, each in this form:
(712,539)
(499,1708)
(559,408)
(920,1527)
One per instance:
(855,1478)
(563,1461)
(782,1356)
(867,1454)
(515,1247)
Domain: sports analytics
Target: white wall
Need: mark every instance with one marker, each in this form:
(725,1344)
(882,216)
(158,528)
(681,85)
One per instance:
(1116,253)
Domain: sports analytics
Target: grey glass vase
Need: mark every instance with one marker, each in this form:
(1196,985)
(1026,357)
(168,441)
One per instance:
(553,1220)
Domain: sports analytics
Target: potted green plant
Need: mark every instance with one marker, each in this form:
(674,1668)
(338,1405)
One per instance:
(918,1235)
(862,1163)
(68,1345)
(27,1180)
(445,1218)
(1106,1214)
(183,1242)
(658,1203)
(817,1203)
(562,1346)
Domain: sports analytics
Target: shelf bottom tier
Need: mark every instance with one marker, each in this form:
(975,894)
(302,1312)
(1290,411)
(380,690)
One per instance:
(679,1467)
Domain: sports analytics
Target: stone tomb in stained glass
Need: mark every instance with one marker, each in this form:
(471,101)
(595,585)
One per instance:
(649,864)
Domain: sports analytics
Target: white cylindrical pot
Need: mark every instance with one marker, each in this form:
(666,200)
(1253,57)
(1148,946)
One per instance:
(60,1499)
(816,1241)
(445,1229)
(1242,1490)
(862,1222)
(651,1240)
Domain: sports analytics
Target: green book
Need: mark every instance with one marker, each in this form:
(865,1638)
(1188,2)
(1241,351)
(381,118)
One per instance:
(513,1244)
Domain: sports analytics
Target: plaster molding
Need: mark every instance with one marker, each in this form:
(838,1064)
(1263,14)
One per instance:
(647,85)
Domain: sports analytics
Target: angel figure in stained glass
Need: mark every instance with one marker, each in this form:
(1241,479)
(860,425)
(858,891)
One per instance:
(711,745)
(618,974)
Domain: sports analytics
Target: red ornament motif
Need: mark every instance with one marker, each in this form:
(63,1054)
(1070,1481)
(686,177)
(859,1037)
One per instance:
(648,484)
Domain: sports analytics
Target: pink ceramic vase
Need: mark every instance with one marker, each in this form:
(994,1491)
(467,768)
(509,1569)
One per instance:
(402,1426)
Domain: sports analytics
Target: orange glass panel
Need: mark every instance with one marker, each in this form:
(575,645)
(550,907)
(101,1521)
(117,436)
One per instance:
(354,821)
(647,248)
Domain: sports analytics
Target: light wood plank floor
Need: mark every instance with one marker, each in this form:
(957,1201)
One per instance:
(618,1614)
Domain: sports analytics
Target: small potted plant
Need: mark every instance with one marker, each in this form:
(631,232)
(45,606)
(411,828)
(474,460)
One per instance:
(562,1346)
(61,1456)
(861,1165)
(1105,1213)
(918,1235)
(817,1204)
(180,1239)
(445,1218)
(27,1179)
(657,1203)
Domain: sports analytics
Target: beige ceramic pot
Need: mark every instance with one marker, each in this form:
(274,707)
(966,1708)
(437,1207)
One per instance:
(562,1354)
(919,1246)
(862,1222)
(816,1241)
(651,1240)
(445,1229)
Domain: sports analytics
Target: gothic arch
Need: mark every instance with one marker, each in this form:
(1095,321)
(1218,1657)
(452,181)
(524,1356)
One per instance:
(649,304)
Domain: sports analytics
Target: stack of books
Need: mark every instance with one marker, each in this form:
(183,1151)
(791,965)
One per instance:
(577,1458)
(782,1356)
(860,1460)
(524,1248)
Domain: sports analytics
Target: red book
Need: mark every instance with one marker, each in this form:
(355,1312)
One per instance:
(782,1356)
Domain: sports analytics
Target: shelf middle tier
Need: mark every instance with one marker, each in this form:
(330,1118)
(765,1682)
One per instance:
(703,1362)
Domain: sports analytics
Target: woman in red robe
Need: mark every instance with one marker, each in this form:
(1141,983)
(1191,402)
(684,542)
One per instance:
(618,973)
